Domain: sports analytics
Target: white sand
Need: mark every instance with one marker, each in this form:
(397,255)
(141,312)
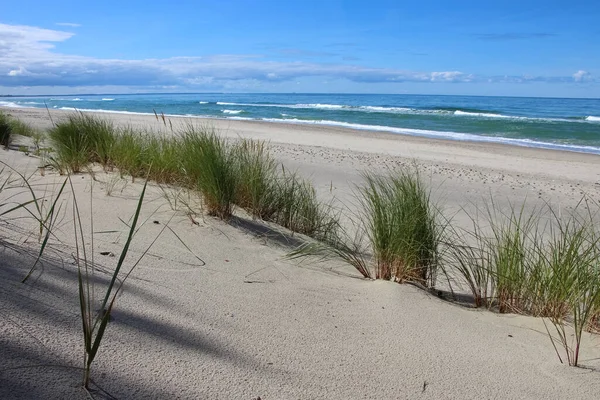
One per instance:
(249,323)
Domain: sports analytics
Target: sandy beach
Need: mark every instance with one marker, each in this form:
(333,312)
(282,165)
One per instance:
(245,322)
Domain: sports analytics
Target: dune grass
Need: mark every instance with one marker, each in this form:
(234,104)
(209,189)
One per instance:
(6,130)
(403,227)
(534,263)
(538,263)
(94,323)
(297,208)
(19,127)
(226,173)
(572,289)
(257,181)
(209,165)
(83,139)
(10,126)
(128,153)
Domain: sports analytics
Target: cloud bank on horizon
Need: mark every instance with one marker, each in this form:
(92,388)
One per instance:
(29,59)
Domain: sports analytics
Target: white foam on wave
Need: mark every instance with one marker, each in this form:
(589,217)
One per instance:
(378,128)
(132,112)
(11,104)
(477,114)
(322,106)
(386,109)
(514,117)
(108,111)
(65,99)
(203,102)
(232,111)
(592,118)
(442,135)
(107,99)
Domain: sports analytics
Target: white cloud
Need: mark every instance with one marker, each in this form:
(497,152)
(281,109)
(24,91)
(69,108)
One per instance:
(28,58)
(69,24)
(17,72)
(582,76)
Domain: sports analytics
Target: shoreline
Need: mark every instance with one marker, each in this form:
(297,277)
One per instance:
(461,174)
(371,130)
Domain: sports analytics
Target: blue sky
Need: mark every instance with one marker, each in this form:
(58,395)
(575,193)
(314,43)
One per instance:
(522,48)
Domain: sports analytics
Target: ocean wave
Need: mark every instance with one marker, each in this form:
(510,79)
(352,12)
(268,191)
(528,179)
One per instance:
(450,111)
(481,114)
(11,104)
(520,118)
(108,99)
(232,111)
(94,110)
(386,109)
(441,134)
(203,102)
(323,106)
(65,99)
(109,111)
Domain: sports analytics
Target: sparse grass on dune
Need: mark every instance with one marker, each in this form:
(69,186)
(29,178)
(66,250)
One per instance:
(572,289)
(10,126)
(19,127)
(297,208)
(515,259)
(538,263)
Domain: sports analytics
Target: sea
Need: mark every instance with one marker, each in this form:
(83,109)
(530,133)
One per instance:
(555,123)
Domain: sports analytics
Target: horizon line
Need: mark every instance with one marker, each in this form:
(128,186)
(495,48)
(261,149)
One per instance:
(296,93)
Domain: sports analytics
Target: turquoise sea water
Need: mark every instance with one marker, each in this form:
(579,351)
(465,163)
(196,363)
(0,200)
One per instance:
(568,124)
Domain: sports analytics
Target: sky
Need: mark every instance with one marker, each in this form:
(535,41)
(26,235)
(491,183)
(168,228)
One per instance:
(501,48)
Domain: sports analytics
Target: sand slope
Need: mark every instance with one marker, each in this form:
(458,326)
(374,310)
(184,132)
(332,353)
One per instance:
(249,323)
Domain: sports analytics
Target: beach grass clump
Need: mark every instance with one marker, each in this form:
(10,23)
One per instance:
(572,291)
(470,265)
(128,153)
(6,130)
(10,126)
(518,271)
(71,147)
(257,180)
(504,264)
(209,165)
(83,139)
(161,161)
(538,263)
(402,226)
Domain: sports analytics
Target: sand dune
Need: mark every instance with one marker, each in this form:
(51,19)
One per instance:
(247,323)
